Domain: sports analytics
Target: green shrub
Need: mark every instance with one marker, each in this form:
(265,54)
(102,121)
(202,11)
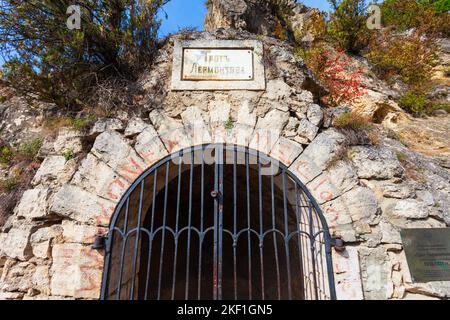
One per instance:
(82,123)
(412,57)
(9,184)
(348,24)
(68,155)
(438,106)
(60,65)
(6,155)
(353,121)
(430,16)
(413,103)
(30,149)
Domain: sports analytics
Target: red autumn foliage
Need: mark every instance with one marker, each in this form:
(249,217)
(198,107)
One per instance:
(334,68)
(342,80)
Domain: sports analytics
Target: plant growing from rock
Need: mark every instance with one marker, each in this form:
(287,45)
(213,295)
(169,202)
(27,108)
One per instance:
(29,150)
(68,155)
(413,103)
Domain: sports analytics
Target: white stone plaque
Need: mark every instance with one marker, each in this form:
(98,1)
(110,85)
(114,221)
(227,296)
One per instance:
(218,65)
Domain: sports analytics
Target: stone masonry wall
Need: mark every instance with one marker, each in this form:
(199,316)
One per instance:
(366,197)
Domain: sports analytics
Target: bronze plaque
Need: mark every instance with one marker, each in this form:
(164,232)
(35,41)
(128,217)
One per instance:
(428,253)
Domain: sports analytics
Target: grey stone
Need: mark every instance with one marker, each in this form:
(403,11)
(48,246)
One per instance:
(315,114)
(80,205)
(307,130)
(409,209)
(33,204)
(55,170)
(17,242)
(135,126)
(376,163)
(362,204)
(398,191)
(68,140)
(103,125)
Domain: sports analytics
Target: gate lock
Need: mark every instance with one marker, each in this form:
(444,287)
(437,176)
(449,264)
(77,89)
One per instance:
(338,244)
(215,194)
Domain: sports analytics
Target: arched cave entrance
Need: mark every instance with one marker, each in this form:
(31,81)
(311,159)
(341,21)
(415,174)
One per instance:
(218,222)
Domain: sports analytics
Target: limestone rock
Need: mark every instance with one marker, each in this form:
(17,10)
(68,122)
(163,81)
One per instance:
(398,191)
(306,131)
(33,204)
(17,242)
(96,177)
(389,233)
(315,114)
(80,205)
(76,270)
(80,233)
(41,279)
(362,204)
(314,160)
(149,146)
(409,209)
(347,275)
(17,277)
(111,148)
(135,126)
(40,240)
(342,176)
(55,170)
(68,140)
(278,90)
(375,163)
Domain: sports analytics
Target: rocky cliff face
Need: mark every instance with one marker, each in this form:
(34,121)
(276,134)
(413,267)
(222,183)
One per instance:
(286,18)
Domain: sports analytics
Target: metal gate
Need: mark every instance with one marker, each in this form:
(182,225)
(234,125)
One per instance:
(218,222)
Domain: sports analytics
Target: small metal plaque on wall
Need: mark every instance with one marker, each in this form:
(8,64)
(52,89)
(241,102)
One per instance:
(218,65)
(428,253)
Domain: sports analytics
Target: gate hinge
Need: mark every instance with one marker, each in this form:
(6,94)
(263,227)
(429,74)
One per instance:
(100,242)
(338,244)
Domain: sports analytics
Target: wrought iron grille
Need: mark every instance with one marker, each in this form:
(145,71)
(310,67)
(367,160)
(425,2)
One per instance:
(209,223)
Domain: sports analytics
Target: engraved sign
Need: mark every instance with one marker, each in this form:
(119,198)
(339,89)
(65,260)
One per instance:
(217,64)
(428,253)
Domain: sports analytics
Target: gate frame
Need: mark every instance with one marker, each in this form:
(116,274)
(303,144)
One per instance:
(223,146)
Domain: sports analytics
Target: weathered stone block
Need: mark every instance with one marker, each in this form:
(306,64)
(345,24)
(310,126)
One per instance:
(80,233)
(96,177)
(17,242)
(76,271)
(347,275)
(135,126)
(33,204)
(103,125)
(375,163)
(149,146)
(112,148)
(78,204)
(55,170)
(68,140)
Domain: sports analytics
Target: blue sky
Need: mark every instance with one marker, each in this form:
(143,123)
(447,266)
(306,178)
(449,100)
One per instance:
(191,13)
